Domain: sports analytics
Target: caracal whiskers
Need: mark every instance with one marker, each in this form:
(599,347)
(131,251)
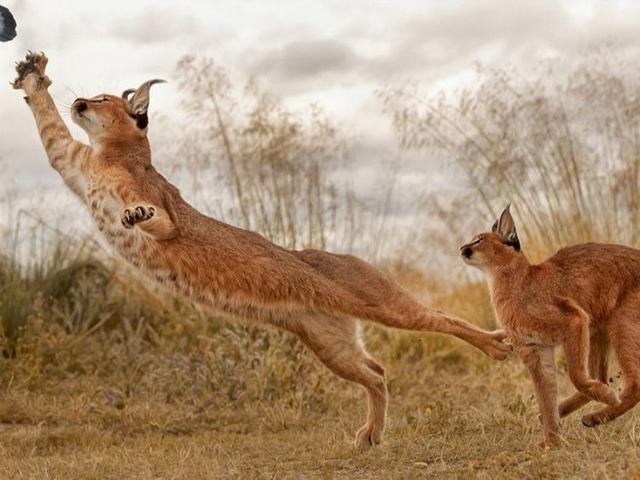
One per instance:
(316,295)
(584,298)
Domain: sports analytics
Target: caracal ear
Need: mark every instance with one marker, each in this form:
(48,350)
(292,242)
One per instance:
(139,103)
(506,227)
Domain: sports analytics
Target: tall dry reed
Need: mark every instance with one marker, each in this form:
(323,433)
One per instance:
(561,141)
(274,164)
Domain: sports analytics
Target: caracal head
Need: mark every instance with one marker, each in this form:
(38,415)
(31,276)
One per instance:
(105,116)
(495,248)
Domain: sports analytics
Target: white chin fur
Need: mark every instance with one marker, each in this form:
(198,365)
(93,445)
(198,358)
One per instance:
(470,261)
(76,117)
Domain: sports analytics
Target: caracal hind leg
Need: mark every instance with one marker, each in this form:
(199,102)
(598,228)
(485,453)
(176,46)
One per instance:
(625,339)
(598,368)
(336,343)
(576,348)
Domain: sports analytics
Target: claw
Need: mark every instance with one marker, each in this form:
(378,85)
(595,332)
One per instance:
(127,221)
(138,214)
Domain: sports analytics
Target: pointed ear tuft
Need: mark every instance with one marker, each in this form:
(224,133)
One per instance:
(139,103)
(128,92)
(506,227)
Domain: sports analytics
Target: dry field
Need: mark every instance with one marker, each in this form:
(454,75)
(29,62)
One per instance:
(102,378)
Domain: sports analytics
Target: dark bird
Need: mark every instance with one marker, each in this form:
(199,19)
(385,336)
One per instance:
(7,25)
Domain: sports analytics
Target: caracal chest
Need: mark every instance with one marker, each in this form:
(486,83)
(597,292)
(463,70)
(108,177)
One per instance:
(106,210)
(522,317)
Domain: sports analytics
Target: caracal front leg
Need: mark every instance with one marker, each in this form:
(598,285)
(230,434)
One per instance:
(67,156)
(542,367)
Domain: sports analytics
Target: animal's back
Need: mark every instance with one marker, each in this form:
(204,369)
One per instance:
(601,258)
(218,263)
(597,275)
(354,275)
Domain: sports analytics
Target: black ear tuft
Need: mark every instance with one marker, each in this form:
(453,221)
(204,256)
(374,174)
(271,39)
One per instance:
(128,92)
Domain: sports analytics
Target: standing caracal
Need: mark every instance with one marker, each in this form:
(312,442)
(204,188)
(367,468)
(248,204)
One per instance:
(316,295)
(584,298)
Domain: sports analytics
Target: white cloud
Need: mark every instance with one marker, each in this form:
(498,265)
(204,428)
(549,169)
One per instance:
(333,52)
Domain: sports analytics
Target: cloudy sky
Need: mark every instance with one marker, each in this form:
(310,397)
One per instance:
(335,53)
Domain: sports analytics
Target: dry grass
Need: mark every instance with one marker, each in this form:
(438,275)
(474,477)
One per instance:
(274,164)
(152,388)
(479,423)
(561,140)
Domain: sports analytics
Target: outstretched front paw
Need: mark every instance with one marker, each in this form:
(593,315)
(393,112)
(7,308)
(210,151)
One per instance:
(31,74)
(131,216)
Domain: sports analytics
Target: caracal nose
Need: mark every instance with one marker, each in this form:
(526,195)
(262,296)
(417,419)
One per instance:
(80,105)
(466,252)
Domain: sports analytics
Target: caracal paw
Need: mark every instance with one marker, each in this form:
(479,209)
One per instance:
(31,73)
(133,215)
(495,348)
(367,437)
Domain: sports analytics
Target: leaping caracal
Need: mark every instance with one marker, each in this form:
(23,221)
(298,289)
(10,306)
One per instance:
(318,296)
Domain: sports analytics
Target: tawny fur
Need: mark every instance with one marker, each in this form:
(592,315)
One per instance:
(584,298)
(316,295)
